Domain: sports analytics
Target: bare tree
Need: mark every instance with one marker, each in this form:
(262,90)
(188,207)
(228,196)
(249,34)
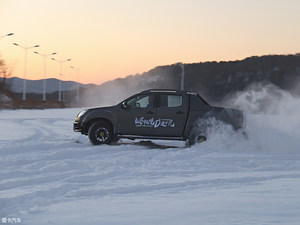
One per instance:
(4,74)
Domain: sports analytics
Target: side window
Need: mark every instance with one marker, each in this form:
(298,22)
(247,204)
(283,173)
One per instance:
(170,101)
(141,101)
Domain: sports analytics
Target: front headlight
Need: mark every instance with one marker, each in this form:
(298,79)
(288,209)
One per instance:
(81,113)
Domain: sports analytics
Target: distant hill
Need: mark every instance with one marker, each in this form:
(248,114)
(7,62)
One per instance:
(36,86)
(213,80)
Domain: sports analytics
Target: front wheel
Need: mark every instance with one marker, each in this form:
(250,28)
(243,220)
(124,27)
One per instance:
(100,133)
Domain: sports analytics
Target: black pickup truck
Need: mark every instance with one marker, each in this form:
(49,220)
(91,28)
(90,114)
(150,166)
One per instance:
(154,114)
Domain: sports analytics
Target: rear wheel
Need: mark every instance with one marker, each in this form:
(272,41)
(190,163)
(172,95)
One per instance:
(100,133)
(201,139)
(196,136)
(197,139)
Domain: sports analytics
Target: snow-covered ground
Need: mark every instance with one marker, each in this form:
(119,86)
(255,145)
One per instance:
(52,175)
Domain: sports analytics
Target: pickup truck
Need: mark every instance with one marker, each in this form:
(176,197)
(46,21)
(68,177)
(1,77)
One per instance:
(155,114)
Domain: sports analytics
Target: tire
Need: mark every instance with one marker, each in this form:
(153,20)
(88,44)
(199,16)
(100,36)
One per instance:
(100,133)
(196,136)
(197,139)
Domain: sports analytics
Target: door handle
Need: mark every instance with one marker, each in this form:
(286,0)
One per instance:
(150,112)
(179,112)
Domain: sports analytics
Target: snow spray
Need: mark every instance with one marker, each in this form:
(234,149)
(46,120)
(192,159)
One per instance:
(273,120)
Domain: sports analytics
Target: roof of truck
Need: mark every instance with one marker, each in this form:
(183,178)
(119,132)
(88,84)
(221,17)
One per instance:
(167,91)
(172,91)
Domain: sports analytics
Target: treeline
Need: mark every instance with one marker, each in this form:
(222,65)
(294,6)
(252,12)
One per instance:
(213,80)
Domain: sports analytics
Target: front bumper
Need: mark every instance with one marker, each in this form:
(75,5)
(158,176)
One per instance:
(76,127)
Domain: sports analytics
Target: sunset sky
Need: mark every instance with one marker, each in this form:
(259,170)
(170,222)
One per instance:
(110,39)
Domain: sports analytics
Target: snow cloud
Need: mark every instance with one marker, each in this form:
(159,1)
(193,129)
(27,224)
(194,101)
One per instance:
(273,120)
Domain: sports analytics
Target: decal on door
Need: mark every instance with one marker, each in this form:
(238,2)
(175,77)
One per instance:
(142,122)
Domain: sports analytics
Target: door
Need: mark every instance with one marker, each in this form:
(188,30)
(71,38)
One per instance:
(172,112)
(138,116)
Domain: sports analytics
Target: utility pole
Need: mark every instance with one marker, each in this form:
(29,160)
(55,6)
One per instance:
(44,81)
(77,78)
(25,66)
(182,75)
(61,75)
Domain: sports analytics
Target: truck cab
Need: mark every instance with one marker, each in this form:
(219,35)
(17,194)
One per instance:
(154,113)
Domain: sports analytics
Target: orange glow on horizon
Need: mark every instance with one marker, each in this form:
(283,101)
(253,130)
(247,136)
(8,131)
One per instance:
(111,39)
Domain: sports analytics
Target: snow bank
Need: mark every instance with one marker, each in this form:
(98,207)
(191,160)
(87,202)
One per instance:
(52,175)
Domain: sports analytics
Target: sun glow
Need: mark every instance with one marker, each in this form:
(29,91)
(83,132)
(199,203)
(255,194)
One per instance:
(110,39)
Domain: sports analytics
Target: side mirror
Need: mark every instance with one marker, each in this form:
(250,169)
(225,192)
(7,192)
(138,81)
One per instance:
(124,105)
